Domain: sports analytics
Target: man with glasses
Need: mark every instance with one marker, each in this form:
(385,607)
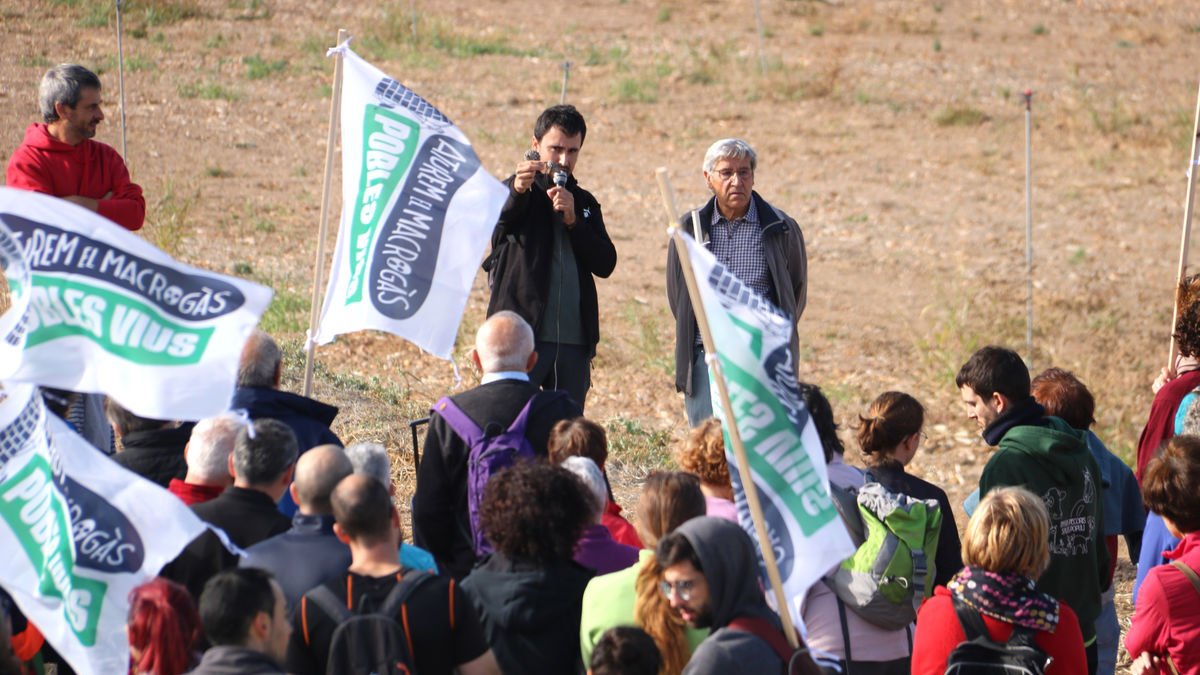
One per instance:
(710,579)
(760,244)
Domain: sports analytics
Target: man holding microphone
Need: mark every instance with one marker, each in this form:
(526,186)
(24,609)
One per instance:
(547,247)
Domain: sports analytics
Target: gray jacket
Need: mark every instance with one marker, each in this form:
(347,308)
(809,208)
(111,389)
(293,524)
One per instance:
(730,567)
(787,262)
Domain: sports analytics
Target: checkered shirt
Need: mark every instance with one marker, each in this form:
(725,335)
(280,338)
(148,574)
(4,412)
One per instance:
(737,245)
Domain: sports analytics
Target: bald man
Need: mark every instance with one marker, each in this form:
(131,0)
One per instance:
(309,554)
(504,353)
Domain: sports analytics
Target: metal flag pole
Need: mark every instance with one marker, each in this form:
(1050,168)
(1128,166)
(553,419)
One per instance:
(121,81)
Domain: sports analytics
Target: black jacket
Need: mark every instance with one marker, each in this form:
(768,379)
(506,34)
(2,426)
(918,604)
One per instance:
(247,517)
(231,660)
(947,561)
(441,522)
(157,454)
(530,614)
(523,247)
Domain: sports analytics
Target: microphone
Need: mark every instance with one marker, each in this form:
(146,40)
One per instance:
(559,173)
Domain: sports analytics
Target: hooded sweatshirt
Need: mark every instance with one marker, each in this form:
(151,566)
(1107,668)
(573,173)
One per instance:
(530,614)
(91,169)
(1050,459)
(730,567)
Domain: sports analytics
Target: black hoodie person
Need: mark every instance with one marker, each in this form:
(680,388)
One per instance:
(710,577)
(529,593)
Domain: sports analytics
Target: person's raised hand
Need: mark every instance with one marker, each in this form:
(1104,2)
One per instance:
(525,173)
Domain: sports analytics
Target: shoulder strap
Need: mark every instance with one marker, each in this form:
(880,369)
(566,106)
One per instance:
(767,632)
(464,426)
(402,591)
(329,603)
(972,622)
(1187,572)
(539,400)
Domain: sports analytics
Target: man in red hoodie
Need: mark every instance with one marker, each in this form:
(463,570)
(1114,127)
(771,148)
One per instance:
(59,158)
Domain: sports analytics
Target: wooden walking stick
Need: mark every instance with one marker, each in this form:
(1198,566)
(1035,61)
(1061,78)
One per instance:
(1186,236)
(1028,95)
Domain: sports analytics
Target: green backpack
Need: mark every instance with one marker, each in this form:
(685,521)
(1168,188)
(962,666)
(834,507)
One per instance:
(887,578)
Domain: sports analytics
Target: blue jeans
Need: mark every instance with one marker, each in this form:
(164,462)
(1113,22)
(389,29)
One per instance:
(699,403)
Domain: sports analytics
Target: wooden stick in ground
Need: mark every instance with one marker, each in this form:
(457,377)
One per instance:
(1186,237)
(739,450)
(335,105)
(668,194)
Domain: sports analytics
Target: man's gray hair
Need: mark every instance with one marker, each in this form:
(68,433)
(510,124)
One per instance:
(372,460)
(211,443)
(260,361)
(729,148)
(593,479)
(504,343)
(62,84)
(263,452)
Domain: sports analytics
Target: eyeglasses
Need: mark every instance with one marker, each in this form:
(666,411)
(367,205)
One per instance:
(682,589)
(726,175)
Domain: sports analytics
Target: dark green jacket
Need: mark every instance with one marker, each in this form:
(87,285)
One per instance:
(1052,461)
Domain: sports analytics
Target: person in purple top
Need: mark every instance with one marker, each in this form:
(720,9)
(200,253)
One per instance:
(596,548)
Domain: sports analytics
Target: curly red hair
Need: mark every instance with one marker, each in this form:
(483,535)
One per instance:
(702,454)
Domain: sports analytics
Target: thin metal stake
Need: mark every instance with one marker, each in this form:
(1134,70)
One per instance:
(1028,96)
(121,81)
(566,68)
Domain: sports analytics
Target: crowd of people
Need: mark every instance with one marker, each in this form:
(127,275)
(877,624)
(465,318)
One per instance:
(521,560)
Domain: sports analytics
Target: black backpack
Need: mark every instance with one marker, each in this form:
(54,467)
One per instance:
(372,642)
(979,654)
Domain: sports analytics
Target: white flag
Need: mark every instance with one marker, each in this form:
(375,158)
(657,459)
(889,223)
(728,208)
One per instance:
(96,309)
(787,462)
(78,533)
(417,213)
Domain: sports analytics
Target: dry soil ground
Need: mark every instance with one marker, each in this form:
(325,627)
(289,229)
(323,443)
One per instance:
(892,130)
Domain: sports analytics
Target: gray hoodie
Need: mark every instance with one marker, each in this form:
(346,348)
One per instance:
(730,567)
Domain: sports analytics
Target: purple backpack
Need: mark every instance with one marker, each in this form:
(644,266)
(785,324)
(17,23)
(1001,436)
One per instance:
(489,453)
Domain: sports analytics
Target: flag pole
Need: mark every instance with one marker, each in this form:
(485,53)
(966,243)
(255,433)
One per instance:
(1186,237)
(739,450)
(335,104)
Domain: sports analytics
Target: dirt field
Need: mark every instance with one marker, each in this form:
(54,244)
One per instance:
(892,130)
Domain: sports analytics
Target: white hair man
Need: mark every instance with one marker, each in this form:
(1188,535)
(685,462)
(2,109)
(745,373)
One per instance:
(207,455)
(760,244)
(504,352)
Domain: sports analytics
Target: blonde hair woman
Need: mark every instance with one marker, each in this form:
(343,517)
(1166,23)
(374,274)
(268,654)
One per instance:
(1006,548)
